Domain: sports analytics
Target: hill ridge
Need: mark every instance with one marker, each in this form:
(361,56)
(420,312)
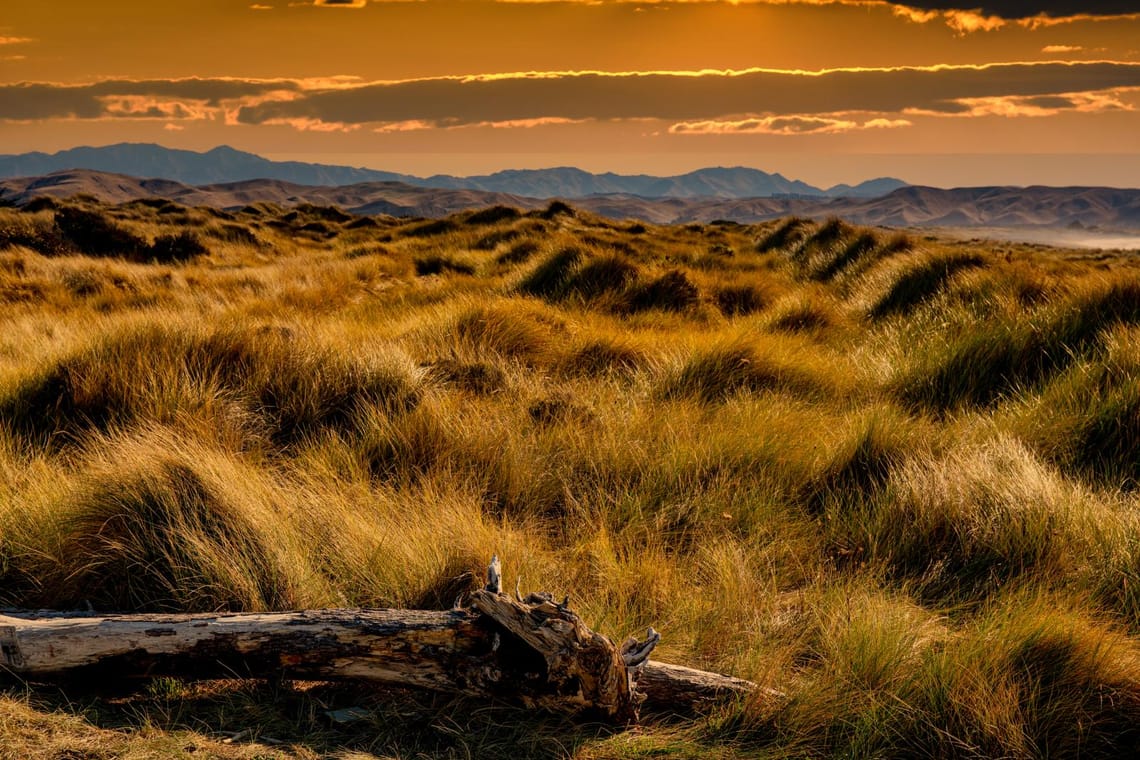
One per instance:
(226,164)
(911,206)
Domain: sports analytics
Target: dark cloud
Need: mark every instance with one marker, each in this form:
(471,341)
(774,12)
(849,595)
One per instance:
(1015,9)
(523,98)
(29,102)
(1051,101)
(670,96)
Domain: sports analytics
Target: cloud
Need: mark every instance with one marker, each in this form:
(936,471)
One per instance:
(961,15)
(302,124)
(38,101)
(260,7)
(971,21)
(686,96)
(756,100)
(419,125)
(1052,49)
(1013,106)
(148,107)
(1026,9)
(784,125)
(14,40)
(340,3)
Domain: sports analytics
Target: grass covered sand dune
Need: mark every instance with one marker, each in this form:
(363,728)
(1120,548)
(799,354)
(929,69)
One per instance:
(893,476)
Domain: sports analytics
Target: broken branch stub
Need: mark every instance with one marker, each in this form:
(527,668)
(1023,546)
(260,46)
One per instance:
(584,671)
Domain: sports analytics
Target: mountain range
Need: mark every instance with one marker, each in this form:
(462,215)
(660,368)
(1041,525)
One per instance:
(1083,208)
(224,164)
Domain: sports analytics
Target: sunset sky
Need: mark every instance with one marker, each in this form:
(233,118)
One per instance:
(826,91)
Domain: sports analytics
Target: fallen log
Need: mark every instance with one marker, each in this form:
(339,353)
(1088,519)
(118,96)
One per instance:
(530,651)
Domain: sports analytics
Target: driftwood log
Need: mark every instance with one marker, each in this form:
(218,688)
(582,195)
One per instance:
(533,651)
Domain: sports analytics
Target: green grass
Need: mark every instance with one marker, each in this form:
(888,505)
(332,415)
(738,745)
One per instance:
(892,477)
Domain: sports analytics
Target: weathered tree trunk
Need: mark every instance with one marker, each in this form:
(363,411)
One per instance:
(531,652)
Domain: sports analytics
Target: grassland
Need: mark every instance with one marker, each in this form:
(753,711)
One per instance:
(893,477)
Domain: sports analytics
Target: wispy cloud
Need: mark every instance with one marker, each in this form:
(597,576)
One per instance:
(340,3)
(1061,49)
(14,40)
(1013,106)
(784,125)
(965,22)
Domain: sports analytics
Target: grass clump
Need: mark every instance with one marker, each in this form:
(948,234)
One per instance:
(513,333)
(551,278)
(672,291)
(788,233)
(480,377)
(715,374)
(430,228)
(437,264)
(987,362)
(167,525)
(94,234)
(918,283)
(841,258)
(493,215)
(258,380)
(36,232)
(518,253)
(176,248)
(1087,419)
(604,356)
(739,300)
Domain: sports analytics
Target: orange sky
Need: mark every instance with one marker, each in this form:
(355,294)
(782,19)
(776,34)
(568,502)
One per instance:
(1018,92)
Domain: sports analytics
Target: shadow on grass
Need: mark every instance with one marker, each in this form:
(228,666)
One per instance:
(292,717)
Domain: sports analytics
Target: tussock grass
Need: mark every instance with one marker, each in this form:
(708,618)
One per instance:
(509,330)
(920,282)
(672,291)
(438,264)
(605,355)
(257,380)
(717,373)
(788,233)
(739,300)
(493,215)
(1006,355)
(158,522)
(895,481)
(551,278)
(1087,419)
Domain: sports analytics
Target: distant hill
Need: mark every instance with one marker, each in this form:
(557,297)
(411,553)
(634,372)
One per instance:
(912,206)
(224,164)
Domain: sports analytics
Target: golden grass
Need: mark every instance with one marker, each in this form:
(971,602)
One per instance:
(894,478)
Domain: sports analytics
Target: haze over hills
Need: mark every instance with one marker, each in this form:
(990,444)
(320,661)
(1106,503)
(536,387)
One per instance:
(912,206)
(225,164)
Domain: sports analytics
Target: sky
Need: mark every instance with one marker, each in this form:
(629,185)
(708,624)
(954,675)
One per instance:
(935,92)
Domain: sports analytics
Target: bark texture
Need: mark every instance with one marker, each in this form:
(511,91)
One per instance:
(532,652)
